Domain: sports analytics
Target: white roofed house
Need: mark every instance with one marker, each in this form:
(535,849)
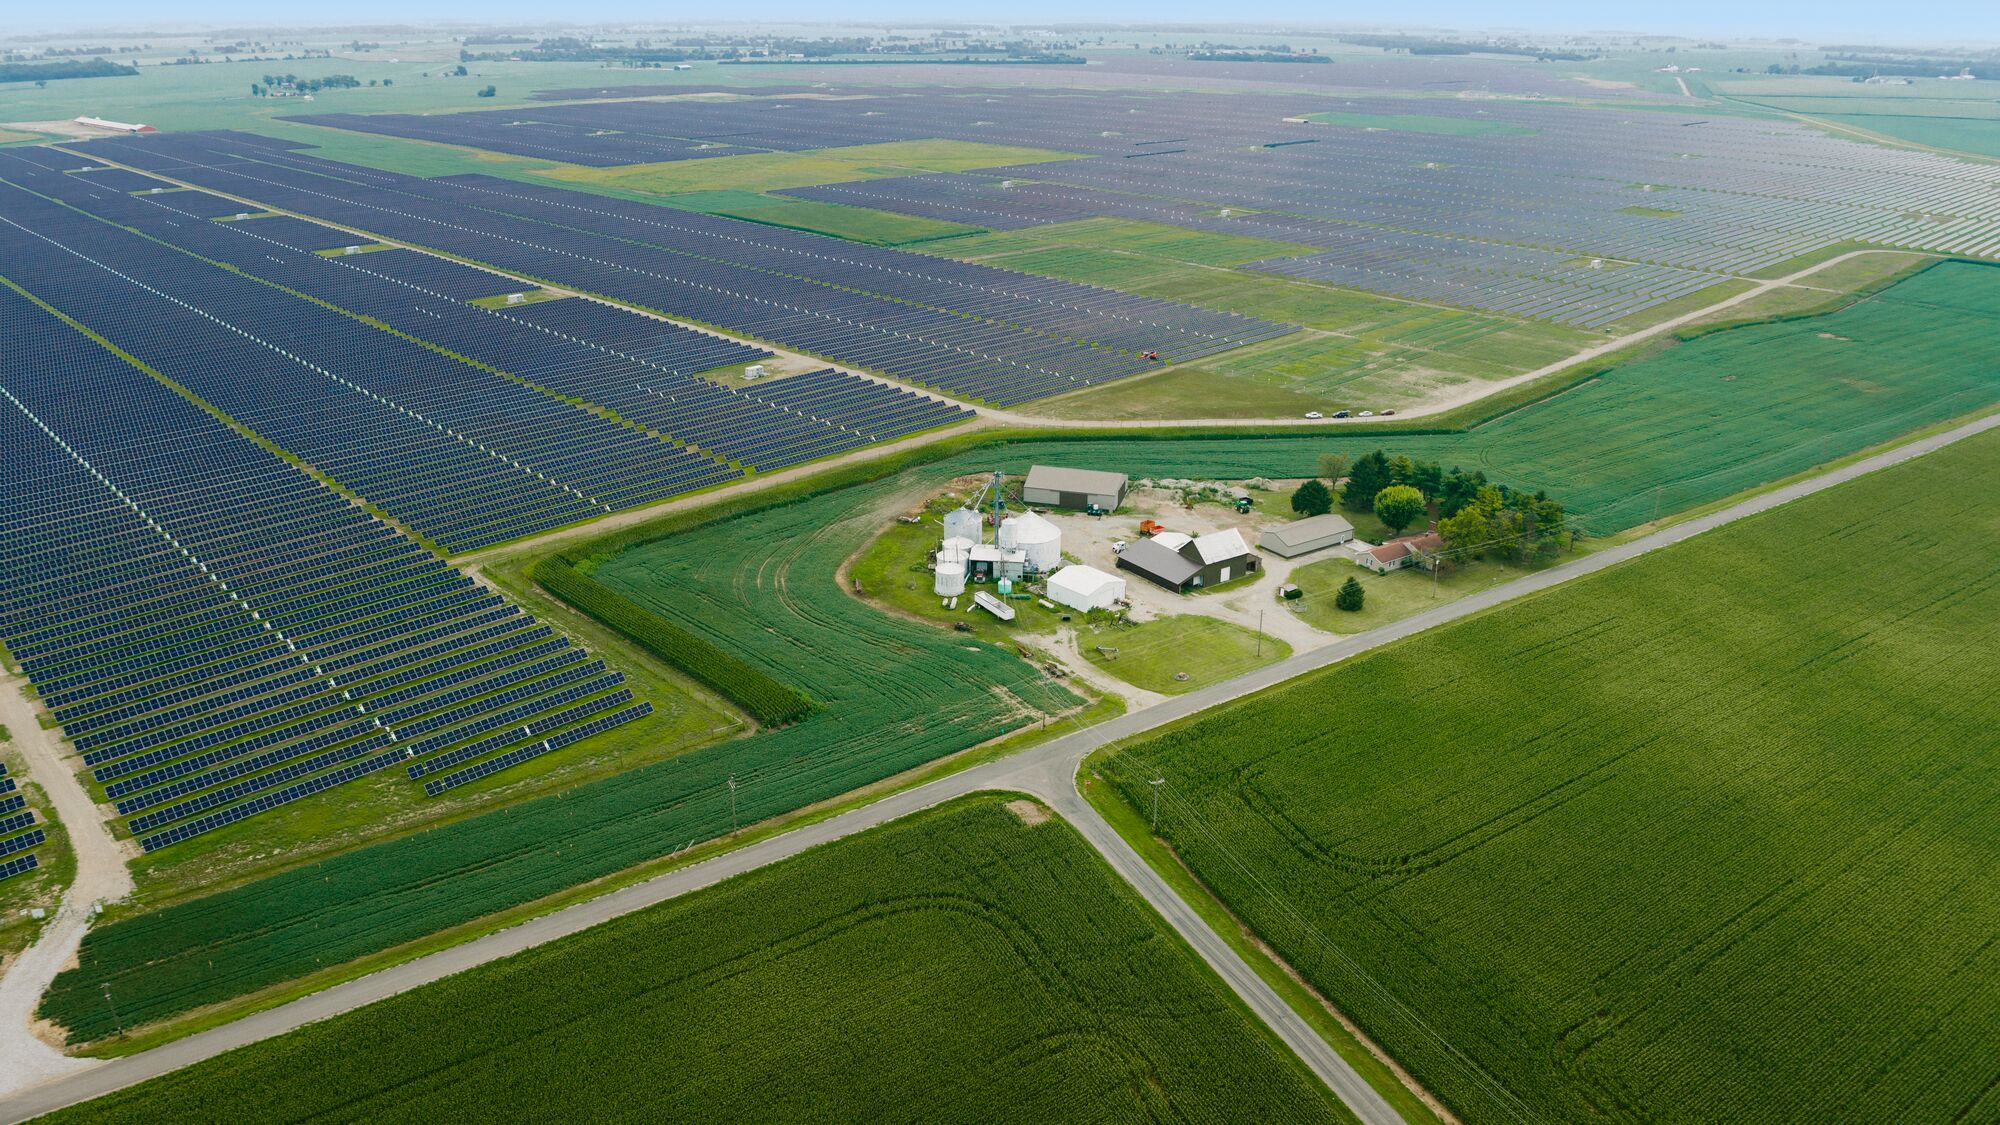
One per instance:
(1085,588)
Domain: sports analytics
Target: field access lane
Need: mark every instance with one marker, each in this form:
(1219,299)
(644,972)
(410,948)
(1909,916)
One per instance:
(1047,771)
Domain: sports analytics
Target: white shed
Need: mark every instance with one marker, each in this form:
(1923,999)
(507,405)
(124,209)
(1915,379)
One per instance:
(1085,588)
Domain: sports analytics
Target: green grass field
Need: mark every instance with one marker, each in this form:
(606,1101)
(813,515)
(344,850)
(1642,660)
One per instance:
(961,965)
(1368,351)
(1706,837)
(1206,650)
(1387,597)
(859,224)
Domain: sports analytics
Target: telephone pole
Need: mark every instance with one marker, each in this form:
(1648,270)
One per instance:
(115,1019)
(732,802)
(1156,783)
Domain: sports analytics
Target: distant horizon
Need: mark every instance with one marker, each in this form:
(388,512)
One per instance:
(1960,26)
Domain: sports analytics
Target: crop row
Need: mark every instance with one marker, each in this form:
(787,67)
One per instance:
(955,966)
(1706,837)
(768,701)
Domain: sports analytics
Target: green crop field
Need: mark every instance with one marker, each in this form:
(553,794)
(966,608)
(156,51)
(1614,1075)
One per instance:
(961,965)
(1727,411)
(1707,837)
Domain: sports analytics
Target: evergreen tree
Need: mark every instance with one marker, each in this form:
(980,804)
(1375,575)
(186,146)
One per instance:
(1350,597)
(1368,476)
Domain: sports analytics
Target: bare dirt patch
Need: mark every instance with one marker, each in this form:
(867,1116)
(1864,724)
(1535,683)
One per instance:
(1030,812)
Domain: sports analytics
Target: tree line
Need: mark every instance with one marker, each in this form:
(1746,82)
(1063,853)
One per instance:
(1475,517)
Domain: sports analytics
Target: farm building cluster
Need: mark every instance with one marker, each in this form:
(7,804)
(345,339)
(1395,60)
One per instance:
(1054,547)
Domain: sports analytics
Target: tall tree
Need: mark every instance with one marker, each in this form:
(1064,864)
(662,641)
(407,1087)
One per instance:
(1368,476)
(1332,467)
(1398,506)
(1312,498)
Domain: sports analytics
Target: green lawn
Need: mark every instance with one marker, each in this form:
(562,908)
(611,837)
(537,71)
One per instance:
(1153,654)
(1388,597)
(1706,837)
(960,965)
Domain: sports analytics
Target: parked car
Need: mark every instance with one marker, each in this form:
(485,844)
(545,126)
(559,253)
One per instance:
(1118,548)
(1368,414)
(1314,414)
(1340,414)
(1387,413)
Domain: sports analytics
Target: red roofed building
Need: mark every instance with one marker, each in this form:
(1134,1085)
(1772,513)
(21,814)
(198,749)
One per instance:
(1408,550)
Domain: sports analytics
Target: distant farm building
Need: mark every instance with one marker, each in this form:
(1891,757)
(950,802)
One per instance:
(1303,537)
(1054,487)
(1409,550)
(1085,588)
(1181,564)
(114,126)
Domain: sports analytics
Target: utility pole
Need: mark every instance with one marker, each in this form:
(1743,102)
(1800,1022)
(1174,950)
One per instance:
(1260,632)
(732,802)
(1156,783)
(114,1010)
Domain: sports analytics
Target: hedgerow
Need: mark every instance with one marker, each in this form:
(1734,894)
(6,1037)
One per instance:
(767,700)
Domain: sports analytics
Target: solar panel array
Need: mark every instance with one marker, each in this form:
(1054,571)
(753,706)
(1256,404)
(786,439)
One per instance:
(464,456)
(979,332)
(641,367)
(218,633)
(13,840)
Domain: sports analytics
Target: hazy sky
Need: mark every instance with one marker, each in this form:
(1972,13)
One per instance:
(1925,22)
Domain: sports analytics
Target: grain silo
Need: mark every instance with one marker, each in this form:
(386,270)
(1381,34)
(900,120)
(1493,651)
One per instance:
(1039,539)
(955,549)
(964,523)
(950,581)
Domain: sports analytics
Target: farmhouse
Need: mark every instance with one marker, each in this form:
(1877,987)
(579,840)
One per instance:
(1408,550)
(1302,537)
(1180,564)
(1085,588)
(1053,487)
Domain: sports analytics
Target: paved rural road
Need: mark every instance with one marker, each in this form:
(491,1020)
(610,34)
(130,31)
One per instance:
(1047,771)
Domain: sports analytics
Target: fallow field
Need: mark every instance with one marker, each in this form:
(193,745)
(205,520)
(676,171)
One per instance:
(1707,837)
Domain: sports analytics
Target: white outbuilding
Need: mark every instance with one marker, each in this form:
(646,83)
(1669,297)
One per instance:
(1085,588)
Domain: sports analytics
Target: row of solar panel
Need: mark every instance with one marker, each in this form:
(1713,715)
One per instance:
(13,820)
(862,411)
(813,293)
(289,635)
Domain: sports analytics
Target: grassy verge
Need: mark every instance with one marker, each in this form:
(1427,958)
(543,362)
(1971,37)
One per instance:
(1299,996)
(1175,655)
